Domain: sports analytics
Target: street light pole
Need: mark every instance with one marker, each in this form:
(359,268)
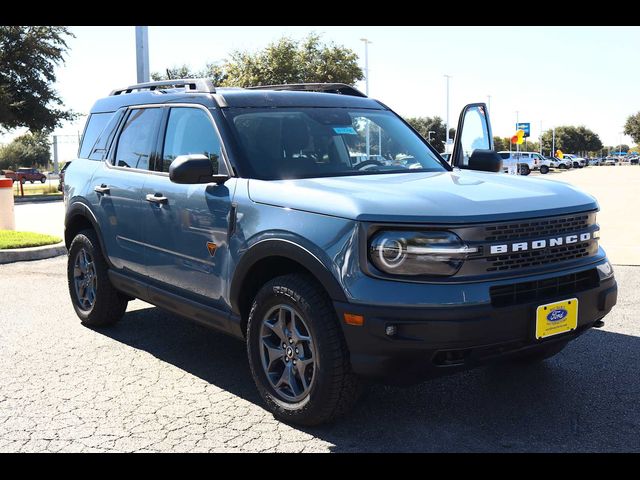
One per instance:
(366,90)
(447,132)
(489,103)
(142,54)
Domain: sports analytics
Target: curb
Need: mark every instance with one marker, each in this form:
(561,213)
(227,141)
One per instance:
(12,255)
(37,198)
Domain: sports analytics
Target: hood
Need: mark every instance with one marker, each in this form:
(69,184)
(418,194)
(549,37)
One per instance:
(459,196)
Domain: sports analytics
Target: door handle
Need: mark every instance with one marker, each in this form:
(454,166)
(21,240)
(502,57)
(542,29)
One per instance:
(157,198)
(102,189)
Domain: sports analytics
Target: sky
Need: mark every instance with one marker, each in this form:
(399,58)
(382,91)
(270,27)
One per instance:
(554,75)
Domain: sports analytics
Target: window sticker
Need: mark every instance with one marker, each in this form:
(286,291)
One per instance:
(345,130)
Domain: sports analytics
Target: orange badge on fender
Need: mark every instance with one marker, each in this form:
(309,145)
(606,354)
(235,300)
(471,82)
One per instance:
(212,248)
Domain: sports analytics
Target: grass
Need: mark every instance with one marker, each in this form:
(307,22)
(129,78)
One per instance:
(13,239)
(36,189)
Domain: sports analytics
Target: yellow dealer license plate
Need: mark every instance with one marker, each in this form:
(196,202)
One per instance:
(557,317)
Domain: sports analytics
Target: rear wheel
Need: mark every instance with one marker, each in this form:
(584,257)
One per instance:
(297,352)
(524,169)
(94,298)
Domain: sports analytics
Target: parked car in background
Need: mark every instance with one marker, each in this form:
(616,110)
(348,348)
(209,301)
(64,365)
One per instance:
(610,161)
(594,161)
(634,160)
(578,162)
(559,163)
(526,161)
(61,178)
(24,174)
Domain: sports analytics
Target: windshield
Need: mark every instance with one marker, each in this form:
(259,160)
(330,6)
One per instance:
(284,143)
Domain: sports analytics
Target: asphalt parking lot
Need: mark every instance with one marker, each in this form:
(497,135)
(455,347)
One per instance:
(156,382)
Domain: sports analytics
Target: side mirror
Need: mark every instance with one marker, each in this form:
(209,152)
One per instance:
(193,169)
(484,160)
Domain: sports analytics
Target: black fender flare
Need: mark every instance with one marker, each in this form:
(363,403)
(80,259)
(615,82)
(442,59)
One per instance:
(272,247)
(79,208)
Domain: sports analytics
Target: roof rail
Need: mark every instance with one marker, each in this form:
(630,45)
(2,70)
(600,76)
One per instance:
(192,85)
(341,88)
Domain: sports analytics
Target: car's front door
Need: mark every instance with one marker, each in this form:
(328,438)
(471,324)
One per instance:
(473,133)
(186,226)
(118,188)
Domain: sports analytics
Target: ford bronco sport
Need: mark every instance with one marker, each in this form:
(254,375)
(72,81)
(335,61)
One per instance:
(244,209)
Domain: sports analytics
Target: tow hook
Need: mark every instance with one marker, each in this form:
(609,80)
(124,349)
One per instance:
(598,324)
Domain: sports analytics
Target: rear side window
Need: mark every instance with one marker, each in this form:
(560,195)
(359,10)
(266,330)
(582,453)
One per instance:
(190,131)
(101,146)
(505,155)
(137,138)
(95,124)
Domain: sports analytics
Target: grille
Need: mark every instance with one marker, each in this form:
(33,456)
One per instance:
(538,228)
(525,292)
(541,257)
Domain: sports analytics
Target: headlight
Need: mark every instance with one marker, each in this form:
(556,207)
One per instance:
(417,253)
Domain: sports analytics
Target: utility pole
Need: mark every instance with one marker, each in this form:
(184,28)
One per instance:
(55,154)
(447,133)
(540,138)
(489,103)
(553,142)
(366,90)
(142,54)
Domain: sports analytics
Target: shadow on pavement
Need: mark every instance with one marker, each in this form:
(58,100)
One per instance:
(583,399)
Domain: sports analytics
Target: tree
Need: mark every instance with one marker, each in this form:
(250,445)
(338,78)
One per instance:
(28,150)
(284,61)
(424,125)
(571,139)
(28,56)
(632,127)
(211,71)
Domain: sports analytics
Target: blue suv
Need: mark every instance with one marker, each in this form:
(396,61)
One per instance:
(314,224)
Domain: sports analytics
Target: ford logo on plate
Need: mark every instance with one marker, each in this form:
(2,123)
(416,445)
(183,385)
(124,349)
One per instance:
(557,315)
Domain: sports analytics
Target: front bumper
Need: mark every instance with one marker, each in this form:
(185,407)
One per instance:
(432,341)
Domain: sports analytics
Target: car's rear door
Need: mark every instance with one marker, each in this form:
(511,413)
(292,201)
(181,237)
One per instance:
(186,227)
(118,183)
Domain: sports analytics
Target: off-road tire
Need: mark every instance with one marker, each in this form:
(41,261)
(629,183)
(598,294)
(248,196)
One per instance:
(335,388)
(109,305)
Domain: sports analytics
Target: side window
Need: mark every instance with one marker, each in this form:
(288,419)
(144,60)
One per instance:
(95,124)
(189,131)
(137,138)
(100,148)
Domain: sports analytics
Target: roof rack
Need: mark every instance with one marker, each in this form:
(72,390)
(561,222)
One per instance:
(191,85)
(340,88)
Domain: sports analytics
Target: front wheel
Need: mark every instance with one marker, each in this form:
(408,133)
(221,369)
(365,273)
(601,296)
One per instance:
(544,169)
(298,355)
(43,179)
(94,298)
